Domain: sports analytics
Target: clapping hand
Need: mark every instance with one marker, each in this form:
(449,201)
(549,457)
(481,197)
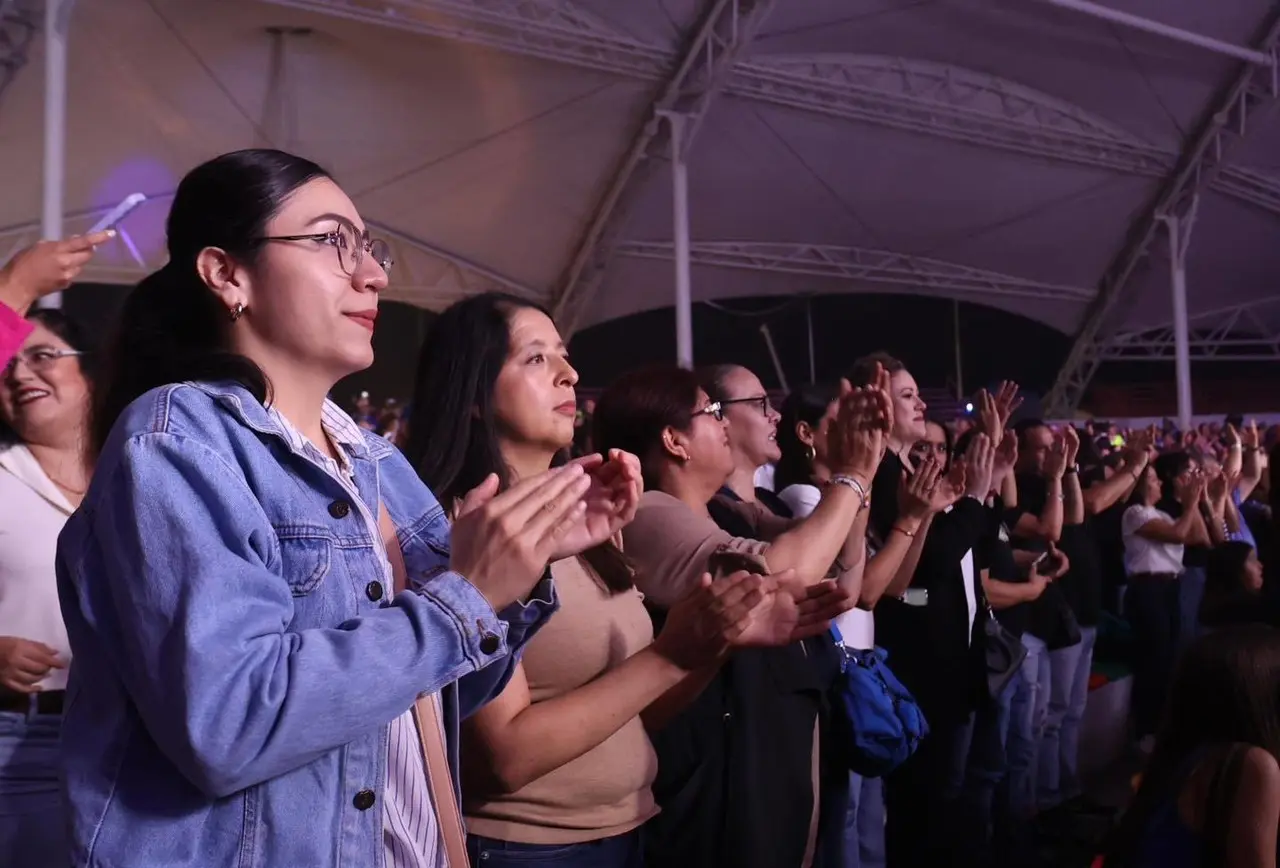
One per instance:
(709,619)
(1006,459)
(857,437)
(995,411)
(918,496)
(792,611)
(610,503)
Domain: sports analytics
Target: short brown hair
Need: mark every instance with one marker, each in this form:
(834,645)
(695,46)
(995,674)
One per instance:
(864,369)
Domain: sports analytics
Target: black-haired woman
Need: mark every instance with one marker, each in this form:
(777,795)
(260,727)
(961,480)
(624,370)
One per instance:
(45,396)
(559,765)
(276,630)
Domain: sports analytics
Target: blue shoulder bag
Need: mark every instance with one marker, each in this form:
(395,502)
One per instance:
(876,719)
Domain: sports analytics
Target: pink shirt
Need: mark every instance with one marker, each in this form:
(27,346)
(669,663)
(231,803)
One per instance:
(13,331)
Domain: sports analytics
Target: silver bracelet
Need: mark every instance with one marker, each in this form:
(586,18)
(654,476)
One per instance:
(856,485)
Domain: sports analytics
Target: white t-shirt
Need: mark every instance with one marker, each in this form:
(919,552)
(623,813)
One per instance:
(32,514)
(764,477)
(1142,555)
(857,626)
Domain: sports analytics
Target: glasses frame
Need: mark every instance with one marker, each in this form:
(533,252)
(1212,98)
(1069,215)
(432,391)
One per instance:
(761,400)
(363,247)
(715,410)
(54,355)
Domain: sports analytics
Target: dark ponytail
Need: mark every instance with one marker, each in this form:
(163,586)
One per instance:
(172,328)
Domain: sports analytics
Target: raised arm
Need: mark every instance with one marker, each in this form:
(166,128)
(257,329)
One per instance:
(835,532)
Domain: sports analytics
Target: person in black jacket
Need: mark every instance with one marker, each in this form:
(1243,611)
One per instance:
(933,634)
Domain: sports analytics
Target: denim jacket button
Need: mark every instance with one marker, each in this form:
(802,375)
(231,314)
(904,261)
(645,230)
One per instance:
(364,800)
(489,643)
(339,509)
(373,591)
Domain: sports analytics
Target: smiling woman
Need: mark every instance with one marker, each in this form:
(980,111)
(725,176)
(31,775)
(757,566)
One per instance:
(274,638)
(44,408)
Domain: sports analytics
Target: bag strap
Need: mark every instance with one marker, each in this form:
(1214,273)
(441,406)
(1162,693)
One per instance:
(430,733)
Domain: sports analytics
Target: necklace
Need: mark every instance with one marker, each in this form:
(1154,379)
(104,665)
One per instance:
(78,492)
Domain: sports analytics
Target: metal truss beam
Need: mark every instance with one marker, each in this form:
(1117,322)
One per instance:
(1202,161)
(413,278)
(1235,333)
(725,29)
(913,95)
(549,29)
(862,266)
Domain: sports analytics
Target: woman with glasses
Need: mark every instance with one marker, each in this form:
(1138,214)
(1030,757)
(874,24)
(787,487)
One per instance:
(753,433)
(45,395)
(276,630)
(738,770)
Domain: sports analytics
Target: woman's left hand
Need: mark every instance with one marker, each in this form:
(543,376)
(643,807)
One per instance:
(611,501)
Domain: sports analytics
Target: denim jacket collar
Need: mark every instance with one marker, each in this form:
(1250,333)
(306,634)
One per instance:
(246,408)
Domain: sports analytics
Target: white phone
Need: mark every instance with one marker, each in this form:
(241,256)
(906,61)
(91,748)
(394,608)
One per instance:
(118,213)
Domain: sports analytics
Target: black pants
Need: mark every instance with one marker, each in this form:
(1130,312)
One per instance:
(1152,609)
(924,823)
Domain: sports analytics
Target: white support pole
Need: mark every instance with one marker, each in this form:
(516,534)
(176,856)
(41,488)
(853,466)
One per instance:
(1181,329)
(680,239)
(955,340)
(57,17)
(808,320)
(1107,13)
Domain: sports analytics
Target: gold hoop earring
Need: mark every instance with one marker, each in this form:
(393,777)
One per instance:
(810,453)
(237,311)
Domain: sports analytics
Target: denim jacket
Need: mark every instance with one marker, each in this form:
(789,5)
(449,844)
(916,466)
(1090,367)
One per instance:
(237,661)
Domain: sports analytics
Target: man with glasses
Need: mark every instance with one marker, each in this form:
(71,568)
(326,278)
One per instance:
(35,272)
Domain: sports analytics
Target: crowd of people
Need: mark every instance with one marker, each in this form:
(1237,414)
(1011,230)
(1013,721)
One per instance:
(240,625)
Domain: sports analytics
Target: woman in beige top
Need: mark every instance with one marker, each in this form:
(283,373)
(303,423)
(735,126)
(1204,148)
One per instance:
(558,768)
(738,770)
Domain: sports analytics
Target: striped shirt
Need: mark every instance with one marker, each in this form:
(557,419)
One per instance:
(410,830)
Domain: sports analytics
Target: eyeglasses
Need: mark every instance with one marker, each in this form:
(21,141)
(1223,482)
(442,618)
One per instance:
(760,401)
(351,246)
(715,410)
(38,359)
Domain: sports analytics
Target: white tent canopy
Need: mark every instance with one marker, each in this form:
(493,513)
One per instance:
(1008,152)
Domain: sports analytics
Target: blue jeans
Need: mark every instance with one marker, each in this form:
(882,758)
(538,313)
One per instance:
(1027,708)
(32,822)
(986,772)
(864,823)
(1190,593)
(1060,743)
(620,851)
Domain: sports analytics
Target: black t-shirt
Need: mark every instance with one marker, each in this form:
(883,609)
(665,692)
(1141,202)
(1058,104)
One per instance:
(1083,581)
(1082,584)
(1042,615)
(994,554)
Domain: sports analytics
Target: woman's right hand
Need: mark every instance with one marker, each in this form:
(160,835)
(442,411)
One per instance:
(25,663)
(980,466)
(918,492)
(705,622)
(501,543)
(857,437)
(1189,489)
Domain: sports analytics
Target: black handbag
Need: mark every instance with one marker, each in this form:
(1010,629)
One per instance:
(1004,652)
